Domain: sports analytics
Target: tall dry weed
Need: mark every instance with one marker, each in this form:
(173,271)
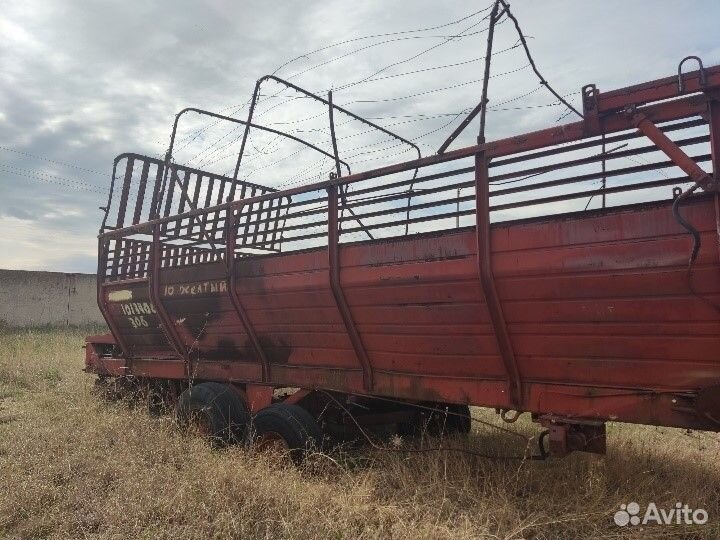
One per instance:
(73,467)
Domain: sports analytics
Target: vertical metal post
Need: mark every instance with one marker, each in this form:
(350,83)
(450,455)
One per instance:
(157,193)
(125,193)
(487,280)
(604,178)
(484,248)
(256,93)
(457,209)
(231,220)
(486,74)
(171,333)
(103,247)
(336,287)
(338,170)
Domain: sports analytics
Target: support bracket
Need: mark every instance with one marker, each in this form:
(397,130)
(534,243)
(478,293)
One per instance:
(335,286)
(171,333)
(230,235)
(487,280)
(102,301)
(676,154)
(570,435)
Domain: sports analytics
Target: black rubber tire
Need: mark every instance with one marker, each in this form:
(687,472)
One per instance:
(225,413)
(297,427)
(456,421)
(458,424)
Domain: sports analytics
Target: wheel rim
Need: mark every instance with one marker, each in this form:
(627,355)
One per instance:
(271,441)
(201,424)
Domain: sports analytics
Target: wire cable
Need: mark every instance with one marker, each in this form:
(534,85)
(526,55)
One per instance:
(373,444)
(54,179)
(523,41)
(461,34)
(304,55)
(387,34)
(65,163)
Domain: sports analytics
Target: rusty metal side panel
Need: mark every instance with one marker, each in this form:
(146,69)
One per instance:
(290,303)
(613,308)
(420,306)
(135,318)
(198,300)
(596,300)
(598,306)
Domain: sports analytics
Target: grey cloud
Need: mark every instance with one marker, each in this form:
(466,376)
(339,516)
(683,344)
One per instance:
(81,82)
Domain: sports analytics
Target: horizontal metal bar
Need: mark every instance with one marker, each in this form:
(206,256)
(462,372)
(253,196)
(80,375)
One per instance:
(419,193)
(656,90)
(418,180)
(254,126)
(419,206)
(558,135)
(595,159)
(594,142)
(308,236)
(594,192)
(594,176)
(420,219)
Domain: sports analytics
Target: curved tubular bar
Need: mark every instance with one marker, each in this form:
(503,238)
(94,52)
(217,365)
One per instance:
(106,208)
(101,301)
(174,339)
(324,101)
(337,290)
(523,41)
(343,110)
(483,234)
(487,281)
(247,125)
(338,171)
(231,223)
(681,82)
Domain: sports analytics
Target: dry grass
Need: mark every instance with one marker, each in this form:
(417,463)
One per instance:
(72,467)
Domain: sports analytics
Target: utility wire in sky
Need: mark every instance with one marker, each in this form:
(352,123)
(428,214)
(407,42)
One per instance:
(66,164)
(54,179)
(196,133)
(387,34)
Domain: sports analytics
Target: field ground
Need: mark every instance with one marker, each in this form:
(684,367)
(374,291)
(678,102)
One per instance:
(73,467)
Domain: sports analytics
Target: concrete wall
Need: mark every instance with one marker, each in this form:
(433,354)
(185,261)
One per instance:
(47,298)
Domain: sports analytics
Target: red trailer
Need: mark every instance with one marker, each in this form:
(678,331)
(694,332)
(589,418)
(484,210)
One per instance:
(477,276)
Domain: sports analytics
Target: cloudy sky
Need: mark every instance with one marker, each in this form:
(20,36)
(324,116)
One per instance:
(81,82)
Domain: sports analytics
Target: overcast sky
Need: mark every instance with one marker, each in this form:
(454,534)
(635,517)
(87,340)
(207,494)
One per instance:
(81,82)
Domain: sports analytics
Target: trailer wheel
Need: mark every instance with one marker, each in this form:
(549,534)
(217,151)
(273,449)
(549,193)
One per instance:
(287,428)
(214,411)
(459,421)
(456,421)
